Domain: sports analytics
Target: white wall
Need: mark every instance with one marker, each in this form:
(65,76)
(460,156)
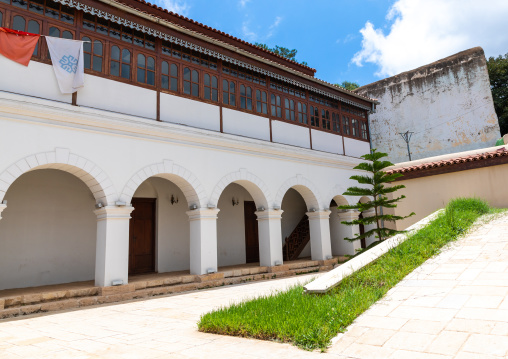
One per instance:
(328,142)
(448,104)
(356,148)
(188,112)
(48,234)
(172,224)
(290,134)
(231,226)
(116,96)
(245,124)
(35,80)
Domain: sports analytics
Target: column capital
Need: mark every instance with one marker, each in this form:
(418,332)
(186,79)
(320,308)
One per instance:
(2,207)
(113,212)
(269,214)
(323,214)
(349,215)
(202,213)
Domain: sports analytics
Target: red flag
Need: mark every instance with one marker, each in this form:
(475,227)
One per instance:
(17,45)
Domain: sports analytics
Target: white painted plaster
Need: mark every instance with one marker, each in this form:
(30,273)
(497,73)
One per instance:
(35,80)
(328,142)
(116,96)
(447,104)
(187,112)
(230,226)
(172,224)
(48,231)
(356,148)
(289,134)
(245,124)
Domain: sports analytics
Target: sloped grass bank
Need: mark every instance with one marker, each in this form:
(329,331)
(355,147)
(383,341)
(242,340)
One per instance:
(311,321)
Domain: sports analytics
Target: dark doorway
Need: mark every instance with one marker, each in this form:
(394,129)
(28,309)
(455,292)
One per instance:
(142,236)
(362,231)
(251,232)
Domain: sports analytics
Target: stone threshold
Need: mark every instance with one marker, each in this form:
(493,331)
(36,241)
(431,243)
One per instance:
(20,302)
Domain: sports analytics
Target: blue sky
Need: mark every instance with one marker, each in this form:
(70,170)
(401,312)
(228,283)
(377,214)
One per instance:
(359,40)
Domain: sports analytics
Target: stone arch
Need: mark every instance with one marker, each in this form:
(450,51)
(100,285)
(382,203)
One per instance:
(187,182)
(303,186)
(337,196)
(62,159)
(253,184)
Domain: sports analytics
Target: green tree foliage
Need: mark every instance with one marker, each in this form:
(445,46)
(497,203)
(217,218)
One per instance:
(348,85)
(375,189)
(498,73)
(282,51)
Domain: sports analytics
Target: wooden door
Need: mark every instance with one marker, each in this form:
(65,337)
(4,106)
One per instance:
(142,236)
(251,232)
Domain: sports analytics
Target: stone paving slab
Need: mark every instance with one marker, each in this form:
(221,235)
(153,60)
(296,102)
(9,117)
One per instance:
(435,312)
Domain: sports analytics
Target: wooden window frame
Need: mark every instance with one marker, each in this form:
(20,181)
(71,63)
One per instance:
(229,93)
(145,69)
(93,55)
(209,89)
(260,102)
(245,97)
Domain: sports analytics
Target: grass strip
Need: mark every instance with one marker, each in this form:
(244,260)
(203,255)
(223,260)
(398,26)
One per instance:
(311,321)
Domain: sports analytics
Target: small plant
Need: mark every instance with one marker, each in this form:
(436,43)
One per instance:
(375,189)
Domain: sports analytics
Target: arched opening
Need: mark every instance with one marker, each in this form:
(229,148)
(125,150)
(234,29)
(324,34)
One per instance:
(338,230)
(237,225)
(295,226)
(48,231)
(159,228)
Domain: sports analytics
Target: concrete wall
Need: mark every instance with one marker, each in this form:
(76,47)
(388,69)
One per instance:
(245,124)
(48,235)
(188,112)
(328,142)
(447,104)
(289,134)
(428,194)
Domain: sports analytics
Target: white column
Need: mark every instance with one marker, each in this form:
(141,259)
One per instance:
(270,237)
(203,240)
(349,231)
(320,244)
(370,213)
(112,248)
(2,207)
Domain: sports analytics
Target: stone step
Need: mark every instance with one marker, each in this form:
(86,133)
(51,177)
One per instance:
(50,301)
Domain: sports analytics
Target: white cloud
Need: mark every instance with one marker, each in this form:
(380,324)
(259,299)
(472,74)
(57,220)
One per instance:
(242,3)
(247,33)
(273,26)
(423,31)
(177,6)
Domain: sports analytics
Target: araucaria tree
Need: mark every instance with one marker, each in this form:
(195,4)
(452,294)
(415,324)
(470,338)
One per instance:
(375,189)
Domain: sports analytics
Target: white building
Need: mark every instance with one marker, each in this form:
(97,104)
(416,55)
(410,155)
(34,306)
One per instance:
(181,140)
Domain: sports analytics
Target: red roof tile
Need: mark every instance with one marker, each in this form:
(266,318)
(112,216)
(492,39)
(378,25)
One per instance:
(452,161)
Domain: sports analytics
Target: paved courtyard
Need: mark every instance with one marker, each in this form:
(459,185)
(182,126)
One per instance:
(454,306)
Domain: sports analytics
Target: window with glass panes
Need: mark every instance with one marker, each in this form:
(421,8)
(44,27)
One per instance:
(145,69)
(93,53)
(276,105)
(289,106)
(325,119)
(335,122)
(190,82)
(345,125)
(20,23)
(211,85)
(261,102)
(169,76)
(228,92)
(354,127)
(314,116)
(363,130)
(246,97)
(46,8)
(120,63)
(302,113)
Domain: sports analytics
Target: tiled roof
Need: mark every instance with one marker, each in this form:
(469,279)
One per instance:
(500,152)
(221,33)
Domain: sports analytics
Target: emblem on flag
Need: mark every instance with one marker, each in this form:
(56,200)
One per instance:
(69,63)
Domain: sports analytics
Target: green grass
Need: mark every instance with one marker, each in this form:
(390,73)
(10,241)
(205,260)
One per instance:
(311,321)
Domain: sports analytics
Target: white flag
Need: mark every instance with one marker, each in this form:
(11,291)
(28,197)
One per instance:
(67,58)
